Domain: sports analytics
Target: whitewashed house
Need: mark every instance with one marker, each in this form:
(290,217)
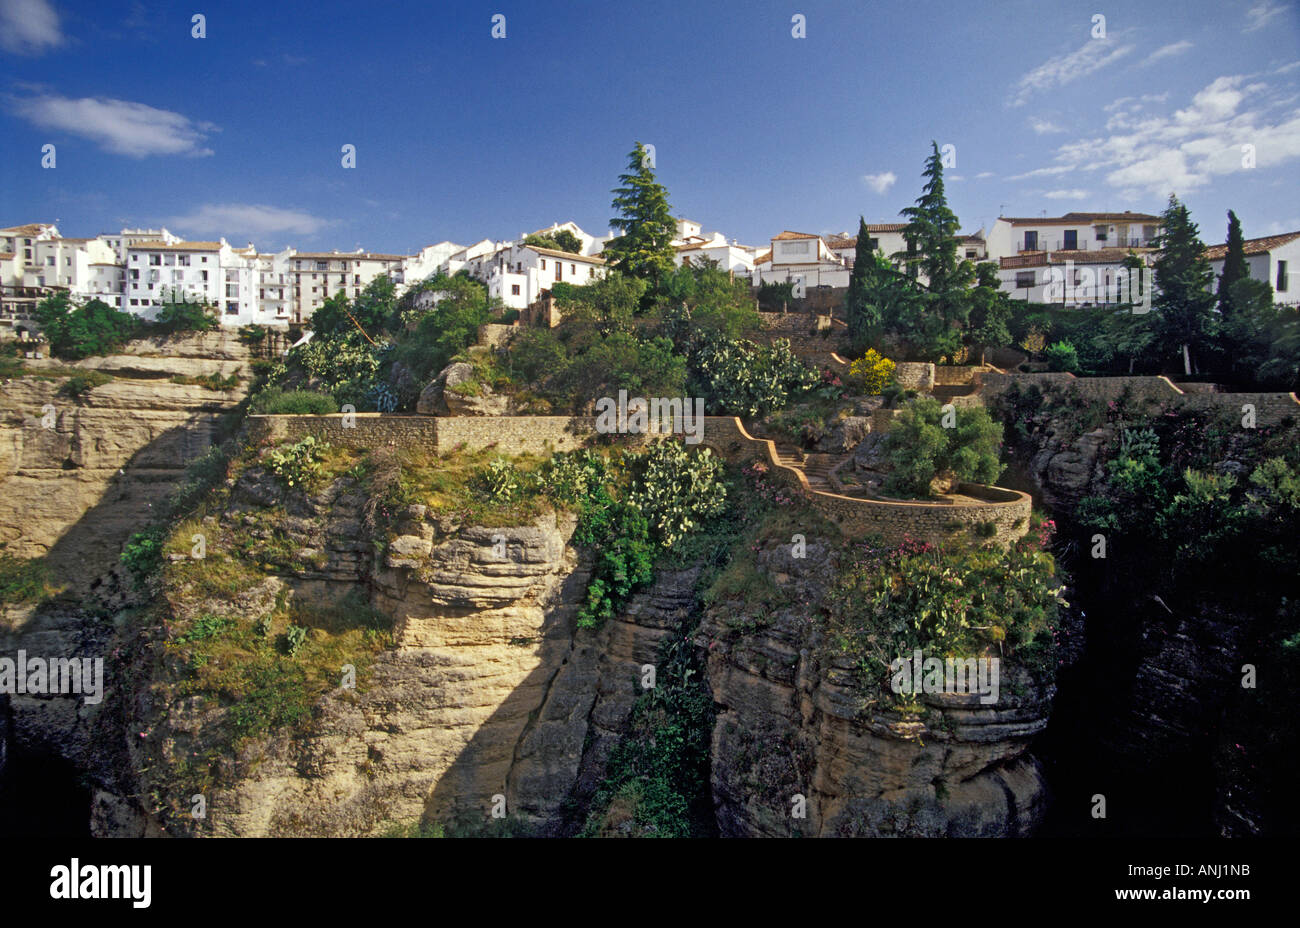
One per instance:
(1076,278)
(1072,232)
(1270,259)
(802,259)
(517,274)
(190,270)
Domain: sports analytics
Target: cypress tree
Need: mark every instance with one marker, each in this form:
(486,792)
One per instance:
(1234,265)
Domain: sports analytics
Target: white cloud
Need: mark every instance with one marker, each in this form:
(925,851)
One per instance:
(29,27)
(1282,228)
(983,174)
(880,182)
(1043,126)
(1151,153)
(1167,51)
(245,221)
(118,126)
(1260,15)
(1074,194)
(1065,69)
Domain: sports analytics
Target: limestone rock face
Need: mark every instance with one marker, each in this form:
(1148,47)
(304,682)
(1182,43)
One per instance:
(490,688)
(1066,474)
(443,397)
(793,722)
(79,474)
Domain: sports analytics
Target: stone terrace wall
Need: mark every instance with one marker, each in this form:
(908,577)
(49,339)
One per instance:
(1007,509)
(1270,408)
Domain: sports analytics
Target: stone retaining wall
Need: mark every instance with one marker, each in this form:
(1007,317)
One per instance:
(1270,408)
(1008,509)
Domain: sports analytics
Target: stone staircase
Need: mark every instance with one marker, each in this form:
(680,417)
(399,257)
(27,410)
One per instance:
(815,467)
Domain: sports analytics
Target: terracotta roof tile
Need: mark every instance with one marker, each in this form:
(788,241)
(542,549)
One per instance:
(1253,246)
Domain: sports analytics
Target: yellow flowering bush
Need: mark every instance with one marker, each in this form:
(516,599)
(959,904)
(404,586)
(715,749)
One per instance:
(873,371)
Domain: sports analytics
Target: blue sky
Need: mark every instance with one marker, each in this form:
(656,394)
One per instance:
(461,136)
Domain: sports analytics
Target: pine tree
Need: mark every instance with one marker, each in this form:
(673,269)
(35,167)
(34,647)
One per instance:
(1234,265)
(1184,305)
(644,250)
(931,236)
(931,232)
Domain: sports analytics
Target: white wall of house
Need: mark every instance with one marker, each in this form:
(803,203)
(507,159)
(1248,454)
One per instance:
(1279,267)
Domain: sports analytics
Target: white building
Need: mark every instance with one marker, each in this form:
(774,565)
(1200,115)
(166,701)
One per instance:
(316,276)
(517,274)
(1075,278)
(802,259)
(1072,232)
(157,271)
(1270,259)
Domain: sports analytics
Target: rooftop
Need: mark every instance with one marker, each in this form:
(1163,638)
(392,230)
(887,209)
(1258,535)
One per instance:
(1253,246)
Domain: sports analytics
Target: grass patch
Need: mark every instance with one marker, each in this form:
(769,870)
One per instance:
(213,381)
(24,580)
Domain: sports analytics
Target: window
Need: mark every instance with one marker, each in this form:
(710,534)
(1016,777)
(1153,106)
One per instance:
(321,265)
(1281,277)
(514,289)
(971,253)
(1024,279)
(873,244)
(232,309)
(204,259)
(135,302)
(795,248)
(573,270)
(49,261)
(1071,240)
(591,272)
(155,259)
(1031,241)
(543,264)
(67,262)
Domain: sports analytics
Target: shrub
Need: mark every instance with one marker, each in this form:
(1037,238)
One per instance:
(78,385)
(275,401)
(873,371)
(142,555)
(77,332)
(23,580)
(920,449)
(676,489)
(295,636)
(298,464)
(738,377)
(184,316)
(501,480)
(1062,356)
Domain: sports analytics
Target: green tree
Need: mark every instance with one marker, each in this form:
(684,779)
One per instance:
(644,217)
(1185,320)
(77,332)
(931,236)
(861,311)
(988,322)
(1234,265)
(560,240)
(919,448)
